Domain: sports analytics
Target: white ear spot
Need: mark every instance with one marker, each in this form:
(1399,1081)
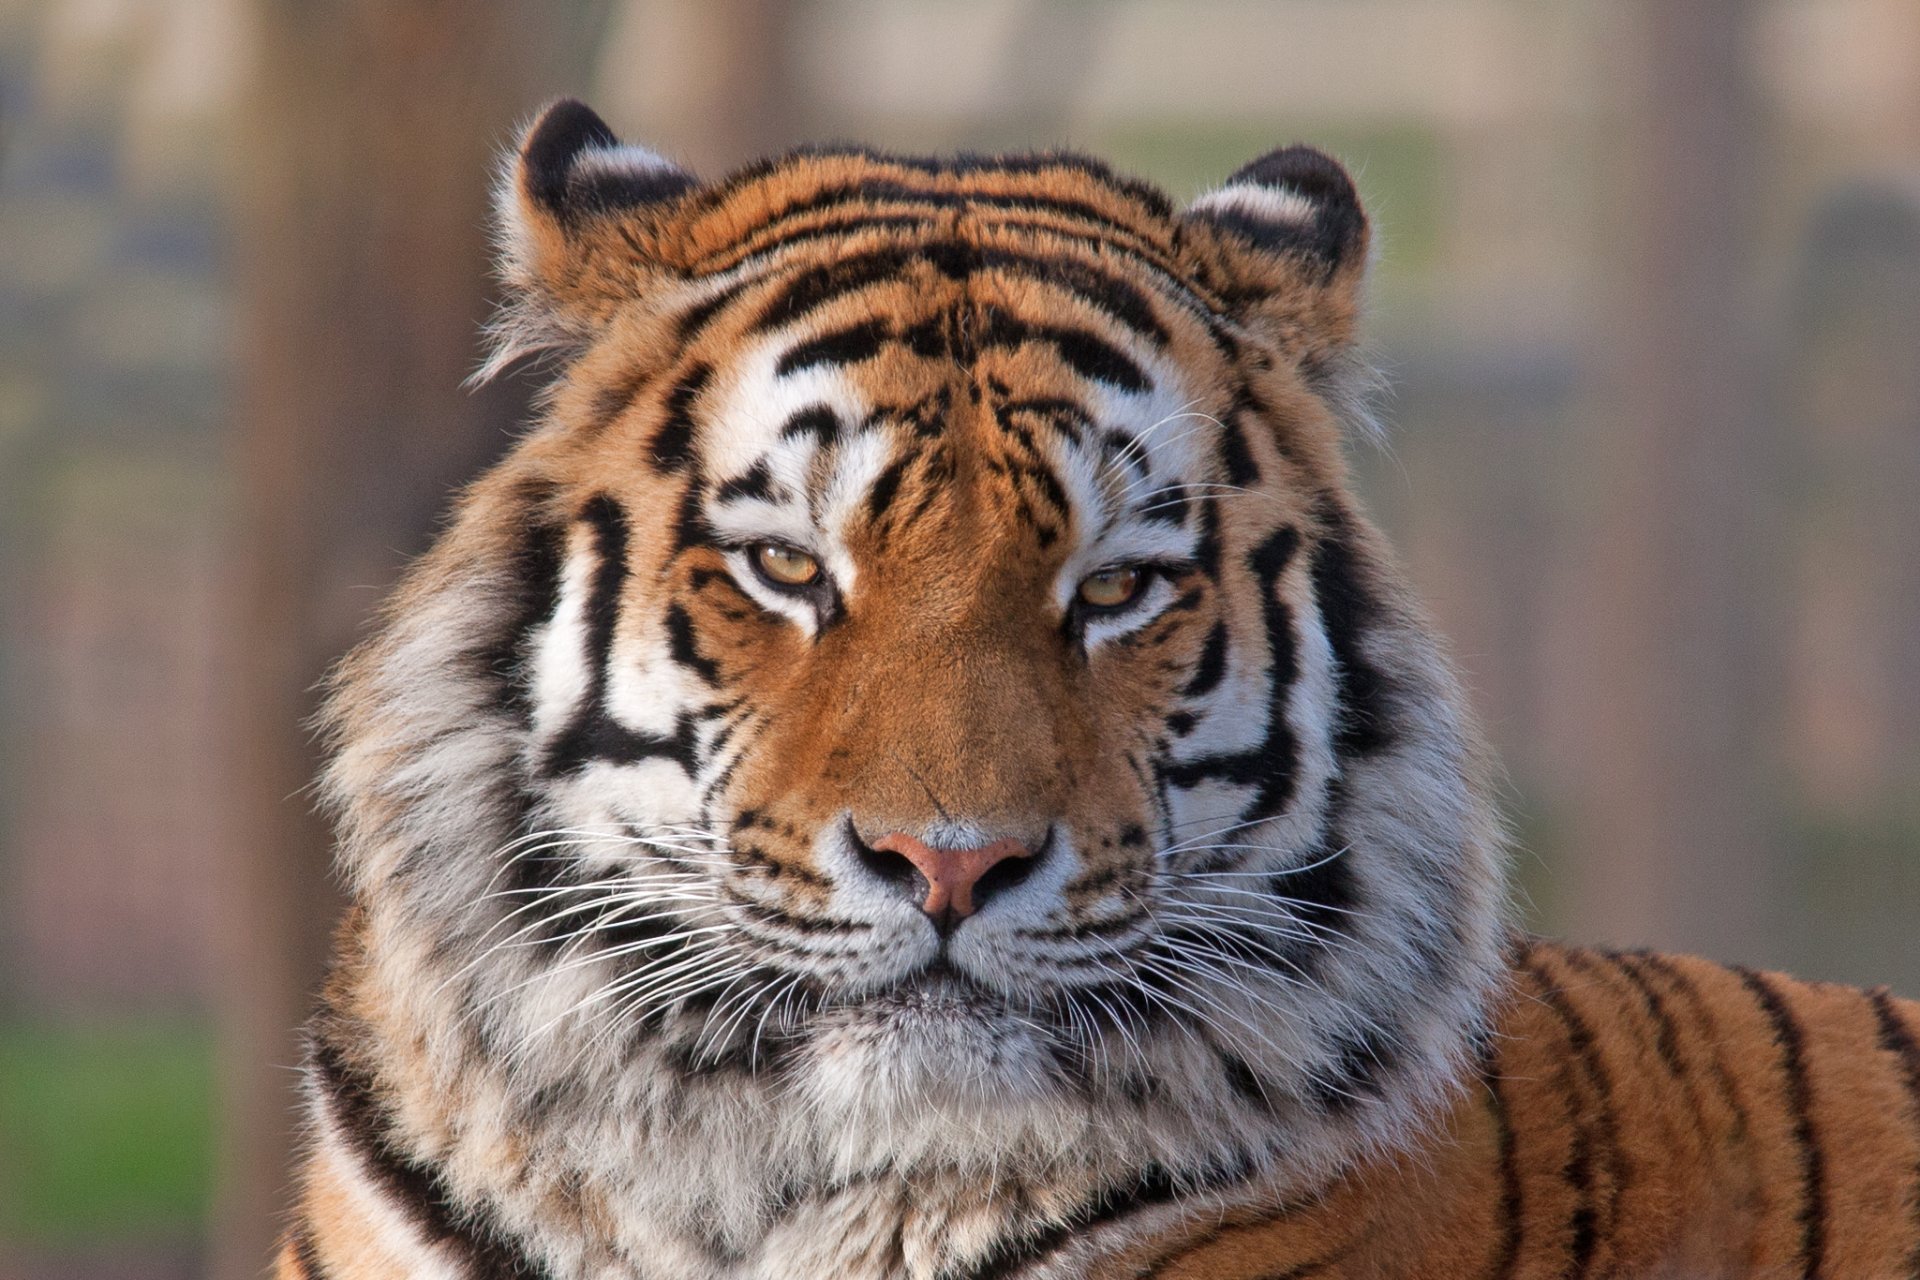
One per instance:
(1276,205)
(625,160)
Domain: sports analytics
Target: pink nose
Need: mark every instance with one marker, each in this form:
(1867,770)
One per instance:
(951,874)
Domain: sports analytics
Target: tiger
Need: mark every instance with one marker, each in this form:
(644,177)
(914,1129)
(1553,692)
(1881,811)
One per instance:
(917,765)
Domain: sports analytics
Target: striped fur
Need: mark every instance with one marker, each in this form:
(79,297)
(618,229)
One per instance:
(627,988)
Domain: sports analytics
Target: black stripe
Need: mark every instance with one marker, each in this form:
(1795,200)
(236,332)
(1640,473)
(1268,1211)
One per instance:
(817,421)
(1250,406)
(305,1254)
(760,248)
(612,400)
(755,482)
(725,776)
(837,224)
(975,163)
(1792,1041)
(696,318)
(1142,999)
(926,417)
(881,496)
(1206,547)
(756,1056)
(602,515)
(690,527)
(930,338)
(1040,474)
(1166,505)
(936,478)
(1708,1032)
(673,442)
(816,287)
(412,1186)
(1665,1036)
(1512,1200)
(593,733)
(1088,354)
(755,855)
(1666,1032)
(1347,611)
(1271,766)
(597,736)
(684,648)
(1181,1252)
(1236,456)
(532,874)
(843,346)
(1108,294)
(1152,1188)
(1364,1063)
(1280,753)
(611,931)
(1585,1222)
(1898,1039)
(1323,892)
(532,594)
(1245,1081)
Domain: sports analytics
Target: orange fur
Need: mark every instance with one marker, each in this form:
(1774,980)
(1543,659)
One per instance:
(1638,1115)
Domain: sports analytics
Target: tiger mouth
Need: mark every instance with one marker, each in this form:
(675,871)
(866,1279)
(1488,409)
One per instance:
(937,992)
(937,986)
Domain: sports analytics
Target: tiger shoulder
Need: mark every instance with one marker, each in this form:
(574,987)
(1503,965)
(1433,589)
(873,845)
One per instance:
(918,766)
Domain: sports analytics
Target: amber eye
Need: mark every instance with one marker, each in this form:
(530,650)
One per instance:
(785,567)
(1113,588)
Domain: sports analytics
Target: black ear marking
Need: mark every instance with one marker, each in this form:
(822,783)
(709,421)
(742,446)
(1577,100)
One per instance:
(573,166)
(1298,201)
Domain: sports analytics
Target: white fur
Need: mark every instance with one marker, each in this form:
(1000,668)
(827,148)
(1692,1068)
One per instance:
(1267,204)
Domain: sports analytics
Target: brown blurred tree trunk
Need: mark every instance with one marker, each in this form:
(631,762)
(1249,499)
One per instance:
(367,148)
(1680,811)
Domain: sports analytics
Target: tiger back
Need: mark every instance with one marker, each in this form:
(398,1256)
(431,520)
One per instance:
(917,766)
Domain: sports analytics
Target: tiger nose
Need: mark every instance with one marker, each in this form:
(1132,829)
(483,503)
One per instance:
(957,881)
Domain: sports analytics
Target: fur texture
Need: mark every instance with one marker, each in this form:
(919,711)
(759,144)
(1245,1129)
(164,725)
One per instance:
(627,989)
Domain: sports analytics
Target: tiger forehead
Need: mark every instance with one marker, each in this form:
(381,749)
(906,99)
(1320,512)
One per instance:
(1056,192)
(902,328)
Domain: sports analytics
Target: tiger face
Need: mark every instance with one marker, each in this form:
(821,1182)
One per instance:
(923,692)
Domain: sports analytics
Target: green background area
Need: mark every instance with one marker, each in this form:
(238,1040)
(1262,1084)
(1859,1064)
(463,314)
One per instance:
(108,1132)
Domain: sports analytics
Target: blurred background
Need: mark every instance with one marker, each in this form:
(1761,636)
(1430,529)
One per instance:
(1647,296)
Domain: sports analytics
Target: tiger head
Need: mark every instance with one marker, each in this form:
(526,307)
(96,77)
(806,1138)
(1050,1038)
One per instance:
(923,690)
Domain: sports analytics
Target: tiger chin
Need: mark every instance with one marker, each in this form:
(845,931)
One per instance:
(917,766)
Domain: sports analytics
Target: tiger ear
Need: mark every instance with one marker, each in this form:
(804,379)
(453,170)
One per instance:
(1291,240)
(574,211)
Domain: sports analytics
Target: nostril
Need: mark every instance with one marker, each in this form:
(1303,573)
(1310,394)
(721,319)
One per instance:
(1003,875)
(894,869)
(1010,871)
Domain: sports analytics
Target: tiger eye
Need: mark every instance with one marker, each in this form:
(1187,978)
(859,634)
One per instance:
(1112,588)
(785,566)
